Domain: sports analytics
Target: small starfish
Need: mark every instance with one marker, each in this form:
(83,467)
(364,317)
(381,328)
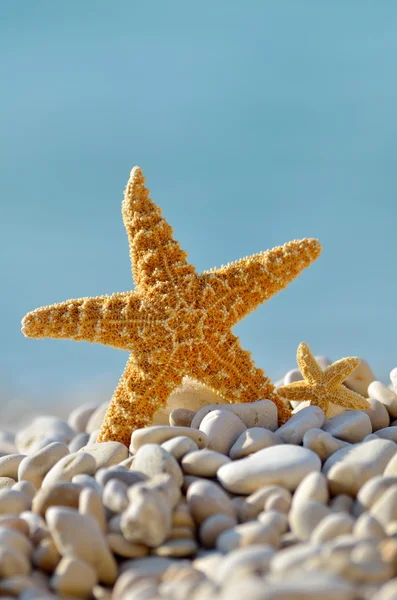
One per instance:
(323,387)
(176,322)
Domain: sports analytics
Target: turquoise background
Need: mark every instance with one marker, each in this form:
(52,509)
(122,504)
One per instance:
(255,123)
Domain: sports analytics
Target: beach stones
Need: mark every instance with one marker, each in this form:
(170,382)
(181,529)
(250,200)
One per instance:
(251,440)
(284,465)
(222,428)
(294,429)
(387,397)
(350,426)
(43,431)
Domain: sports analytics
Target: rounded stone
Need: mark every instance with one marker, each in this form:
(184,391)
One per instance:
(179,446)
(158,434)
(378,414)
(9,465)
(74,577)
(304,518)
(206,498)
(106,454)
(322,443)
(177,548)
(294,429)
(95,420)
(350,426)
(251,506)
(331,526)
(251,559)
(121,547)
(61,494)
(262,413)
(80,416)
(181,417)
(43,430)
(35,467)
(152,459)
(16,541)
(247,534)
(313,487)
(360,378)
(213,526)
(284,465)
(380,392)
(204,463)
(13,502)
(252,440)
(68,466)
(388,433)
(222,428)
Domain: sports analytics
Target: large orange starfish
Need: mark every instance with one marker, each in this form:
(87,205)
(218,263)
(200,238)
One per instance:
(323,388)
(176,322)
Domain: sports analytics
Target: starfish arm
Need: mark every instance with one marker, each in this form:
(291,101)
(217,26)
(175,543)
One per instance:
(300,391)
(349,399)
(240,286)
(308,366)
(111,320)
(335,374)
(136,399)
(157,259)
(229,370)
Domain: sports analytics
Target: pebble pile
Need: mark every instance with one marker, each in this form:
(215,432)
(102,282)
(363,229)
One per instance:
(218,504)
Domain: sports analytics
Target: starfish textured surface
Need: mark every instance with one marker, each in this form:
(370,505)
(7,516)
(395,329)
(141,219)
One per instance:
(323,387)
(176,322)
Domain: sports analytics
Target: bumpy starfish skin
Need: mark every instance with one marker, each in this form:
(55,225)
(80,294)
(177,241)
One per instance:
(176,322)
(323,387)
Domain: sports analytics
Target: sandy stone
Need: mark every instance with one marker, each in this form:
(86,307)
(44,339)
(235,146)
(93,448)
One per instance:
(80,416)
(75,577)
(106,454)
(81,536)
(96,418)
(304,518)
(294,429)
(247,534)
(159,434)
(9,465)
(284,465)
(380,392)
(61,494)
(68,466)
(251,440)
(378,414)
(350,426)
(90,503)
(35,467)
(322,443)
(152,459)
(13,502)
(46,556)
(262,413)
(204,463)
(181,417)
(349,468)
(125,549)
(251,506)
(179,446)
(206,498)
(213,526)
(360,378)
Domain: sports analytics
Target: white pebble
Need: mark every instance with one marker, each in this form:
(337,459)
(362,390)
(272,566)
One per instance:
(350,426)
(251,440)
(68,466)
(223,428)
(204,463)
(157,434)
(380,392)
(35,467)
(294,429)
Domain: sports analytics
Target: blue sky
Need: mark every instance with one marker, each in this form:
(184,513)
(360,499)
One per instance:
(255,123)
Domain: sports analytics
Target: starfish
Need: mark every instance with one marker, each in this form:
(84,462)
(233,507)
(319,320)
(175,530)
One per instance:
(323,387)
(176,322)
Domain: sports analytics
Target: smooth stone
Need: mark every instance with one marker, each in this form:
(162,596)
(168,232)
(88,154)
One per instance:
(106,454)
(78,442)
(378,414)
(341,503)
(247,534)
(294,557)
(360,378)
(204,463)
(349,468)
(371,491)
(80,416)
(69,466)
(102,476)
(391,467)
(26,488)
(96,419)
(46,556)
(366,526)
(81,536)
(331,526)
(193,395)
(380,392)
(124,549)
(272,518)
(251,440)
(115,496)
(314,488)
(181,517)
(13,563)
(304,518)
(38,529)
(30,438)
(262,413)
(16,541)
(177,548)
(277,502)
(87,481)
(213,526)
(9,465)
(152,459)
(322,443)
(350,426)
(251,506)
(250,559)
(206,498)
(388,433)
(222,428)
(74,577)
(384,510)
(294,429)
(35,467)
(14,523)
(179,446)
(90,503)
(181,417)
(63,493)
(13,502)
(157,434)
(284,465)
